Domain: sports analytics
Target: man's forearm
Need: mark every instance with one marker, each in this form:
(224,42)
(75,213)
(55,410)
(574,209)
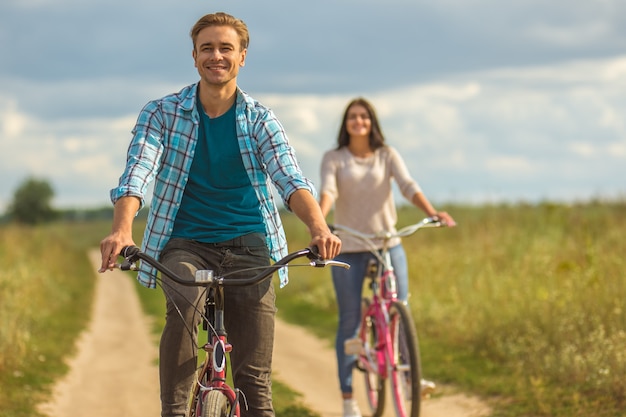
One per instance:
(304,205)
(124,213)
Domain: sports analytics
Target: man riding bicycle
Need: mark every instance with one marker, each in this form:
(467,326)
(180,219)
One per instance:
(212,151)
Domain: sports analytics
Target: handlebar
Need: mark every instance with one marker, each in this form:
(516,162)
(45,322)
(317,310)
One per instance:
(370,239)
(132,254)
(386,235)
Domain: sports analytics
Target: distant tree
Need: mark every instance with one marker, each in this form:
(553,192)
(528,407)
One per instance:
(32,202)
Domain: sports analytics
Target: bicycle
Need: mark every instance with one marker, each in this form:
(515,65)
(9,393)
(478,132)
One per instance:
(387,344)
(211,395)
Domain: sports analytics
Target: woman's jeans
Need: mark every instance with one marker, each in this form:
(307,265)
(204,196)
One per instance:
(348,289)
(249,322)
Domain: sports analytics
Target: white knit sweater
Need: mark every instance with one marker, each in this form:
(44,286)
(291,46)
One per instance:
(361,189)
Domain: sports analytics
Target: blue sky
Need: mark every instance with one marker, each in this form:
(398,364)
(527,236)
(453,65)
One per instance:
(488,101)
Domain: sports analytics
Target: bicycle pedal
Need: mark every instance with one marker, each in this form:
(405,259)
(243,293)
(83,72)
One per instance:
(353,346)
(359,367)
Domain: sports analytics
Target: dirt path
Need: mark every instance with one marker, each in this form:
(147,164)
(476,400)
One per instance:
(114,372)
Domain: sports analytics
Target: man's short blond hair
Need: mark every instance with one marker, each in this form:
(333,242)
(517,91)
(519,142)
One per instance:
(221,19)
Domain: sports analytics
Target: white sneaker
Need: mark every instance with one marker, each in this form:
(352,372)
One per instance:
(427,388)
(351,408)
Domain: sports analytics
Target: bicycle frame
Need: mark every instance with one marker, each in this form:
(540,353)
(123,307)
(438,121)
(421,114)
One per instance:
(386,319)
(213,371)
(383,289)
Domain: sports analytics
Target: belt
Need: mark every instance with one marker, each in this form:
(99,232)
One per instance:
(251,239)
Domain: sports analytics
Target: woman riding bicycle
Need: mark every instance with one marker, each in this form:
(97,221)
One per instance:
(357,179)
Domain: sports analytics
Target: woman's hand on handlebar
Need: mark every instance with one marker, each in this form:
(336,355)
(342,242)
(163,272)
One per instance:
(445,219)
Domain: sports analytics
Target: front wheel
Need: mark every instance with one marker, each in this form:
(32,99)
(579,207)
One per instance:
(406,372)
(215,404)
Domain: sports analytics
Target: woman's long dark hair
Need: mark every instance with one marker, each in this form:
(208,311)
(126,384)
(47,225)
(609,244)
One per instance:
(376,139)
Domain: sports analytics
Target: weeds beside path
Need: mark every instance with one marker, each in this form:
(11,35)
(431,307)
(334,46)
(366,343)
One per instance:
(114,373)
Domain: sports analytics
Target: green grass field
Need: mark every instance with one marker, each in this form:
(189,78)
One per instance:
(521,304)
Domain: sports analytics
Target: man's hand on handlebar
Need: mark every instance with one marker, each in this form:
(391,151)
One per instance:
(110,248)
(327,243)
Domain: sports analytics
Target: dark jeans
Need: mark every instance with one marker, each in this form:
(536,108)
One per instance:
(249,322)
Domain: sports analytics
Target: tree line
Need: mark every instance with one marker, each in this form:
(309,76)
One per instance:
(32,205)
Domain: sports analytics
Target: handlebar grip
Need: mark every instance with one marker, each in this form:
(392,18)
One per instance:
(314,253)
(129,251)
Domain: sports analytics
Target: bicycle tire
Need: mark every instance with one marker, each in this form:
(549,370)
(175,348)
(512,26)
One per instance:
(405,377)
(215,404)
(368,361)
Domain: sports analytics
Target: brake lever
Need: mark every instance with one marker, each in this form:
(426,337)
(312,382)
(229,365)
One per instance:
(126,265)
(318,262)
(321,263)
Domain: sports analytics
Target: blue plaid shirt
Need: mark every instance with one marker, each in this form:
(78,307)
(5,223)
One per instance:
(162,149)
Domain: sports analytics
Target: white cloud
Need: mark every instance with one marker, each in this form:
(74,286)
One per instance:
(506,165)
(81,155)
(12,121)
(583,149)
(615,70)
(617,150)
(570,36)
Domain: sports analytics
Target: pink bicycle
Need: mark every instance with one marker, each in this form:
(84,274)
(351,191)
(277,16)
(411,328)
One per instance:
(211,395)
(387,346)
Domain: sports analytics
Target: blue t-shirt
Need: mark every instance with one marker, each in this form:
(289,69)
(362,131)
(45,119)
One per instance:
(219,202)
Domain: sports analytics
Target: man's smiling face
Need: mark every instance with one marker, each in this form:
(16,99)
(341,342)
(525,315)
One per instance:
(218,55)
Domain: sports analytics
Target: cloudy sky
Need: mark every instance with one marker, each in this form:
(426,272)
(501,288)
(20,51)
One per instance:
(487,100)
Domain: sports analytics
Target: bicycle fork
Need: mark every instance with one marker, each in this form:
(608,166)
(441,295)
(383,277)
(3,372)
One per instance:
(385,350)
